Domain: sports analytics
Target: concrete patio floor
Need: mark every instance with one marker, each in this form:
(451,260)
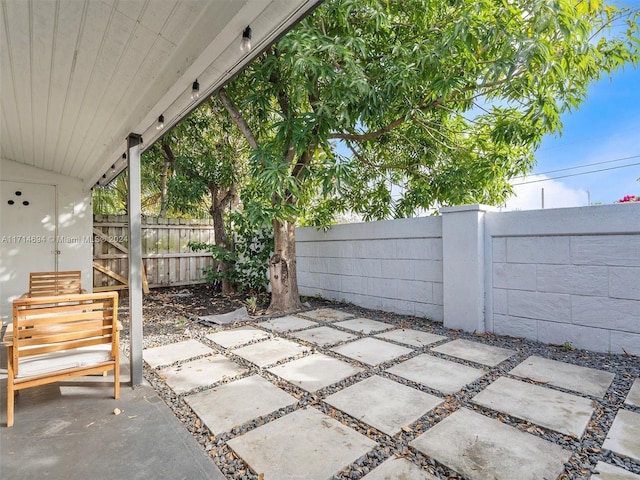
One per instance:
(319,396)
(69,431)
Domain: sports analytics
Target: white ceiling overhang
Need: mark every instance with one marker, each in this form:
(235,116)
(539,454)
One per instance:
(78,76)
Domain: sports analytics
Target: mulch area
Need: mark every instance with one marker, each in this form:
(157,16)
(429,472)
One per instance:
(170,314)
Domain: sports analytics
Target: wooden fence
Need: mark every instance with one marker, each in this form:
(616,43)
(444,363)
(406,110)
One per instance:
(167,259)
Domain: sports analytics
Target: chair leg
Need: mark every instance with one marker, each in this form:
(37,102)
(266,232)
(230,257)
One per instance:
(10,400)
(116,379)
(10,395)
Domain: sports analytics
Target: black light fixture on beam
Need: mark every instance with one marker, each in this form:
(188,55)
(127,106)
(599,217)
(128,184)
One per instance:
(160,124)
(195,90)
(245,45)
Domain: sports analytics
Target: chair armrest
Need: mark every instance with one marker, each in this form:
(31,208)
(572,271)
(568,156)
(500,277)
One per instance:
(7,339)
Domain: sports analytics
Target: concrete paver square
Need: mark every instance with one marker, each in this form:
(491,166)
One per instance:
(237,337)
(401,405)
(270,351)
(588,381)
(200,372)
(398,469)
(364,325)
(286,324)
(633,397)
(558,411)
(606,471)
(327,315)
(235,316)
(305,444)
(238,402)
(624,435)
(442,375)
(174,352)
(324,336)
(411,337)
(315,371)
(482,448)
(371,351)
(475,352)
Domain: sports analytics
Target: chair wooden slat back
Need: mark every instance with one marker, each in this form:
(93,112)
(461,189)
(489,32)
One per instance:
(74,321)
(55,283)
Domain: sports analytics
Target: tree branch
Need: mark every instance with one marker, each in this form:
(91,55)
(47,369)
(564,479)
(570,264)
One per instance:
(386,166)
(237,118)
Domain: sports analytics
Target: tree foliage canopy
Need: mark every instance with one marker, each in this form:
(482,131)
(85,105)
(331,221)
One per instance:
(447,100)
(207,160)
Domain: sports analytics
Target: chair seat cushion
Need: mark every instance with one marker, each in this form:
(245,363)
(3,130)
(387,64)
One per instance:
(63,360)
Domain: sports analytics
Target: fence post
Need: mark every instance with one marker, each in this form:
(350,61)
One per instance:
(463,266)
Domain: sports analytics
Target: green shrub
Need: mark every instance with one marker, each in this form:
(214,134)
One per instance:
(249,260)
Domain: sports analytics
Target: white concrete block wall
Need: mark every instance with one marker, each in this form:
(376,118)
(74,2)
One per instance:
(566,275)
(560,275)
(394,266)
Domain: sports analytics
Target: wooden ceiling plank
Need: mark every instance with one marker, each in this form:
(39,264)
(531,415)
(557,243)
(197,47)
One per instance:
(125,113)
(17,30)
(118,40)
(156,14)
(118,98)
(6,148)
(91,40)
(188,14)
(10,126)
(133,9)
(42,44)
(69,21)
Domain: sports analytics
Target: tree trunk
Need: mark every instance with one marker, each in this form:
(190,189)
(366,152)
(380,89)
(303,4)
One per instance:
(220,237)
(163,190)
(169,160)
(282,270)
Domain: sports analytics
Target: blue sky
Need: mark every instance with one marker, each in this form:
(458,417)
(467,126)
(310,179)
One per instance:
(605,128)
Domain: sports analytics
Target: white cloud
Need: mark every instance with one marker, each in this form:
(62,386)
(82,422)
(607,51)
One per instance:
(528,196)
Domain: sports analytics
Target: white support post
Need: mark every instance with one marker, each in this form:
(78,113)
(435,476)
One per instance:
(463,264)
(134,210)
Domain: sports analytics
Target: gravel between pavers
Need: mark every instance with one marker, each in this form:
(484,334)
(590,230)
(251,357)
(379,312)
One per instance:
(169,315)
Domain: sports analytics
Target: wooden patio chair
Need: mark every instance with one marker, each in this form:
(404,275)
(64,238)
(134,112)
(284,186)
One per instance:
(44,284)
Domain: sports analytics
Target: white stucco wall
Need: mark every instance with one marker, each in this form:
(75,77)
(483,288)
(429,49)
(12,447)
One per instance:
(555,275)
(567,275)
(67,229)
(394,266)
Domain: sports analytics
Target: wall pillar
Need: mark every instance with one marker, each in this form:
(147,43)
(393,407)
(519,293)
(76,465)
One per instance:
(463,265)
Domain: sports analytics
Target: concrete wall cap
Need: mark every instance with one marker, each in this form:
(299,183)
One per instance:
(476,207)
